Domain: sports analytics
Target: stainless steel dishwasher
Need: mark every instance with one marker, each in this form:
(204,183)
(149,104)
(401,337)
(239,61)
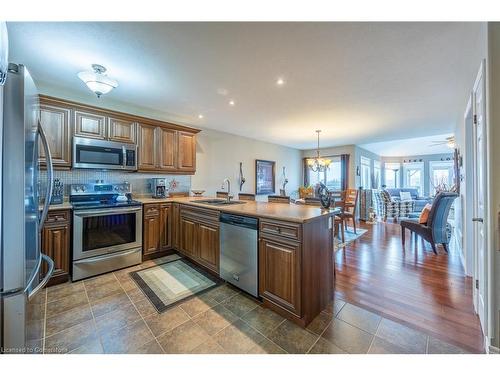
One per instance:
(238,251)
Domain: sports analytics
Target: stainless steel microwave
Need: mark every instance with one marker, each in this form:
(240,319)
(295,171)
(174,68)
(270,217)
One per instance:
(97,154)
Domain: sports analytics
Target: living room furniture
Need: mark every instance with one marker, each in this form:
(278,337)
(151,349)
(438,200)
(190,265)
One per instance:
(436,230)
(350,205)
(419,202)
(278,199)
(246,197)
(386,206)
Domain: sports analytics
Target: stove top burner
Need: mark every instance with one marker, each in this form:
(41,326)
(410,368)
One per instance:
(100,195)
(81,205)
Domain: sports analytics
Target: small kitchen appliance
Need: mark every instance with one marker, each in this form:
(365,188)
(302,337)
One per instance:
(159,187)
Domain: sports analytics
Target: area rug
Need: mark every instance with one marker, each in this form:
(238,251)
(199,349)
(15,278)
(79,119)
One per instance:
(172,282)
(350,236)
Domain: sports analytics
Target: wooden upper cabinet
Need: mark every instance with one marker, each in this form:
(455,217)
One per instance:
(167,149)
(121,130)
(90,125)
(187,152)
(56,124)
(147,147)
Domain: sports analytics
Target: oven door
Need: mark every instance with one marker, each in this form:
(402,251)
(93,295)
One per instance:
(107,230)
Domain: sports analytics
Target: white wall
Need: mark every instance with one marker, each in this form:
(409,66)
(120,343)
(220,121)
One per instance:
(218,155)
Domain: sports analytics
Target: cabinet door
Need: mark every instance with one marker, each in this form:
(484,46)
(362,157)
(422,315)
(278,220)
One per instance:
(208,245)
(187,152)
(120,130)
(279,273)
(175,220)
(165,226)
(55,244)
(147,147)
(188,237)
(90,125)
(56,124)
(151,234)
(167,149)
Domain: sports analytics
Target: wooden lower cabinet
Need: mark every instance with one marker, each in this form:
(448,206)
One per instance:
(199,236)
(56,234)
(280,273)
(208,245)
(189,241)
(156,230)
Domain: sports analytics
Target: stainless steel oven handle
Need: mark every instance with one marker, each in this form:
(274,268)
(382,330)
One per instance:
(50,175)
(107,211)
(107,256)
(46,279)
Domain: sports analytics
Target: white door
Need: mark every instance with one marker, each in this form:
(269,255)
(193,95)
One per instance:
(479,188)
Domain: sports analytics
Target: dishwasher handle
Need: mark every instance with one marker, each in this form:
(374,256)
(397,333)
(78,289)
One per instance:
(240,221)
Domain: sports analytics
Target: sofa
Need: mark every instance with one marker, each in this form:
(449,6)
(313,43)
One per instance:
(418,201)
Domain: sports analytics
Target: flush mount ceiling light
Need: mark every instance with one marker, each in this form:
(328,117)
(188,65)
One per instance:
(97,80)
(232,103)
(280,81)
(318,164)
(200,116)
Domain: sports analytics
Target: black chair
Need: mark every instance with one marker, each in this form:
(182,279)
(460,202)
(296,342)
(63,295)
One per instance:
(435,231)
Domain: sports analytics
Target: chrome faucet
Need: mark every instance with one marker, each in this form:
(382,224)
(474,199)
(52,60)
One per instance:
(226,180)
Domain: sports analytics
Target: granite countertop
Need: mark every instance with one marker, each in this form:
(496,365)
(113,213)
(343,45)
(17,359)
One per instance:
(279,211)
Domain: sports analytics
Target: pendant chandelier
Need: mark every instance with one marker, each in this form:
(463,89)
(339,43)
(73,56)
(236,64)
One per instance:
(318,164)
(97,80)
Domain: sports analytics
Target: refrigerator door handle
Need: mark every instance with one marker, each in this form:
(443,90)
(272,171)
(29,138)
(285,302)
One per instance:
(45,280)
(50,175)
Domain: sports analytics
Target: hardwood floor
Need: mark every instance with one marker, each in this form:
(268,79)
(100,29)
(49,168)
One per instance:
(413,286)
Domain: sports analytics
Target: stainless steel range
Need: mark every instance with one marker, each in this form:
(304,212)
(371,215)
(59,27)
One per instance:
(107,228)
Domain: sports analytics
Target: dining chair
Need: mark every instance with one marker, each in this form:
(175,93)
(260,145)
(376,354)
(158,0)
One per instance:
(221,194)
(246,197)
(337,197)
(178,194)
(278,199)
(350,205)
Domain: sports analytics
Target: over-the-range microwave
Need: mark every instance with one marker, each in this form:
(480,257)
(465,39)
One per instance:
(98,154)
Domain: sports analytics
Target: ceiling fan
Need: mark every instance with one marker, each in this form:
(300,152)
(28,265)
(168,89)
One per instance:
(448,141)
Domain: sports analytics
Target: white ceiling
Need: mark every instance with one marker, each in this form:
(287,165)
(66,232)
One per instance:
(358,82)
(411,146)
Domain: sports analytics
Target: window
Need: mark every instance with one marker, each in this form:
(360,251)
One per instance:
(376,183)
(331,177)
(413,176)
(441,175)
(391,175)
(366,173)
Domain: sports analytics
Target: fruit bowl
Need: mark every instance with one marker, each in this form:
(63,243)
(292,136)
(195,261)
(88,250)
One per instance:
(197,193)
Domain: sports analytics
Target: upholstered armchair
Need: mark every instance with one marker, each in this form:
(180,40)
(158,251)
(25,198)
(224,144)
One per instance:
(436,230)
(385,206)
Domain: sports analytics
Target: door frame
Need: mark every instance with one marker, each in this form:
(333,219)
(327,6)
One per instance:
(467,209)
(478,273)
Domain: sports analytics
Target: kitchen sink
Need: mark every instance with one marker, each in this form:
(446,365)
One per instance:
(218,202)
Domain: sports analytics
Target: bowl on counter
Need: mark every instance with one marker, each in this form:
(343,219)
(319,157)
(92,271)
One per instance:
(197,193)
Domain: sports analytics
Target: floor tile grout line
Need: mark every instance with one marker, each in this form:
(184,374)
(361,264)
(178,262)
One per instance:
(142,318)
(321,334)
(93,318)
(44,320)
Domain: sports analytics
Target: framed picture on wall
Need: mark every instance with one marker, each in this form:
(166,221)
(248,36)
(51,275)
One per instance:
(264,177)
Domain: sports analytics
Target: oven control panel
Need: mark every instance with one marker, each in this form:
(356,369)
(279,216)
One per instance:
(100,188)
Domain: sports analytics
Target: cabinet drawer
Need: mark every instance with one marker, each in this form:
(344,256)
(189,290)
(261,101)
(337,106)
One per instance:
(202,214)
(280,228)
(58,216)
(151,209)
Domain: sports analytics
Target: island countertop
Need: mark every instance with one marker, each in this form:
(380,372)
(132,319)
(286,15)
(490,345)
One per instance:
(280,211)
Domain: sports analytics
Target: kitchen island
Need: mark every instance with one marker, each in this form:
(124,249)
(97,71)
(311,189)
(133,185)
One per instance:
(295,247)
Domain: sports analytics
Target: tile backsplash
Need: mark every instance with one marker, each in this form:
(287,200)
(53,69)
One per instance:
(139,182)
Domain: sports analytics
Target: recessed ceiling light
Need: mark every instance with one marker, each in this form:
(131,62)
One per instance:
(232,103)
(280,81)
(200,116)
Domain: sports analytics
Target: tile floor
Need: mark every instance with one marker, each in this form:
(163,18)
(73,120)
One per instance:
(110,314)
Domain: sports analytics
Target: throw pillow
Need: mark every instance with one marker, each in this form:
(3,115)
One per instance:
(424,215)
(405,195)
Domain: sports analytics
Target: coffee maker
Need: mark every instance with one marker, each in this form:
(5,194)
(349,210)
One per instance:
(159,187)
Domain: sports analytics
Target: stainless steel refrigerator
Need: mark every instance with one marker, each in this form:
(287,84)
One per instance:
(21,261)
